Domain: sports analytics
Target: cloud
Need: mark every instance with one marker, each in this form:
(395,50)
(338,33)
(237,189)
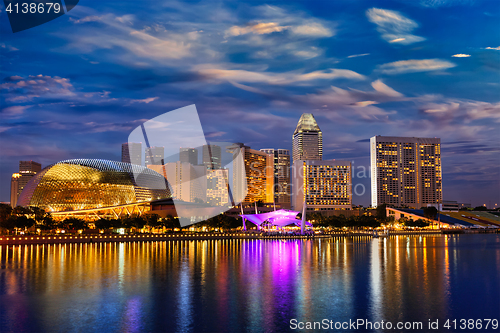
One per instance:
(394,27)
(410,66)
(236,75)
(21,89)
(145,43)
(385,89)
(14,111)
(8,47)
(258,28)
(461,55)
(464,110)
(145,100)
(214,134)
(358,55)
(493,48)
(313,29)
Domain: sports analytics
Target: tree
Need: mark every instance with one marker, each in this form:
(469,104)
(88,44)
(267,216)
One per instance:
(430,212)
(417,223)
(381,213)
(74,223)
(171,222)
(480,208)
(5,211)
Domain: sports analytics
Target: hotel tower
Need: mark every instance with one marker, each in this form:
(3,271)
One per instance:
(307,140)
(406,171)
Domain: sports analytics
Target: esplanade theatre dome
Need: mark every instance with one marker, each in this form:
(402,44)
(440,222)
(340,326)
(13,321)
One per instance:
(79,184)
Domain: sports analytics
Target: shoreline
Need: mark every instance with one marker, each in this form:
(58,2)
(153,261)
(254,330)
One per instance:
(99,238)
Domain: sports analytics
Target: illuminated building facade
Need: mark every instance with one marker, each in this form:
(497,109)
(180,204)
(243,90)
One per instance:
(212,157)
(188,155)
(307,140)
(86,184)
(154,156)
(27,170)
(253,174)
(14,189)
(323,185)
(406,171)
(281,165)
(217,187)
(187,182)
(132,153)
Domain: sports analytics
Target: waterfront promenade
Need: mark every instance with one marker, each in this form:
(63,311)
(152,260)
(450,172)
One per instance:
(100,238)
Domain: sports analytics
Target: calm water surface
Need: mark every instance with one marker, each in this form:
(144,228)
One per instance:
(247,285)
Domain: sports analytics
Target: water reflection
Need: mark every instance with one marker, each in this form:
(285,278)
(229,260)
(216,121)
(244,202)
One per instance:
(246,285)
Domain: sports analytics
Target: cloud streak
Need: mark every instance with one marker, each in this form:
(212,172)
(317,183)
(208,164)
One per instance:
(393,26)
(411,66)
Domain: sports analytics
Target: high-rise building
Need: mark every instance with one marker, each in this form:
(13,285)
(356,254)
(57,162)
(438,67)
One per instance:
(217,187)
(187,182)
(132,153)
(154,156)
(27,170)
(189,155)
(323,185)
(14,189)
(253,174)
(307,140)
(212,157)
(281,162)
(406,171)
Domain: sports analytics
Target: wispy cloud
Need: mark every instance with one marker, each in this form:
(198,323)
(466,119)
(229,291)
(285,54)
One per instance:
(145,100)
(461,55)
(394,27)
(493,48)
(258,28)
(410,66)
(238,75)
(358,55)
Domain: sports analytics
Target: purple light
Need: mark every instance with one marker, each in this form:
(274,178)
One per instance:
(279,218)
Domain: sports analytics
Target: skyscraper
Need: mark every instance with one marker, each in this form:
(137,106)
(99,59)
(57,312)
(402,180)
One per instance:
(406,171)
(281,163)
(154,156)
(253,173)
(212,157)
(132,153)
(189,155)
(307,140)
(14,189)
(27,170)
(323,185)
(217,187)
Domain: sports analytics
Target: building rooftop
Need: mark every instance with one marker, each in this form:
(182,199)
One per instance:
(307,123)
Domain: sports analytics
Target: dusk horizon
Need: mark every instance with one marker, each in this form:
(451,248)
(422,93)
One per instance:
(76,86)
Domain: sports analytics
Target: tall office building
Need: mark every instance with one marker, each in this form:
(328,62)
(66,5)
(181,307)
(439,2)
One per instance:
(187,182)
(307,140)
(14,189)
(212,157)
(27,170)
(253,173)
(406,171)
(154,156)
(217,187)
(189,155)
(281,163)
(132,153)
(323,185)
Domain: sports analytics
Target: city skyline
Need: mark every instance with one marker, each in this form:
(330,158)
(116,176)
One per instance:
(373,68)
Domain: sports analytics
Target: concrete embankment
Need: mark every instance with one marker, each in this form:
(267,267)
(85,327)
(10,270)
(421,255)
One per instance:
(99,238)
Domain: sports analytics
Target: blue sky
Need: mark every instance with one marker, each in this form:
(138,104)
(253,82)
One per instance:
(76,86)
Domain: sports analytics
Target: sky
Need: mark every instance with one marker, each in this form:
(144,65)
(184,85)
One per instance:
(76,86)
